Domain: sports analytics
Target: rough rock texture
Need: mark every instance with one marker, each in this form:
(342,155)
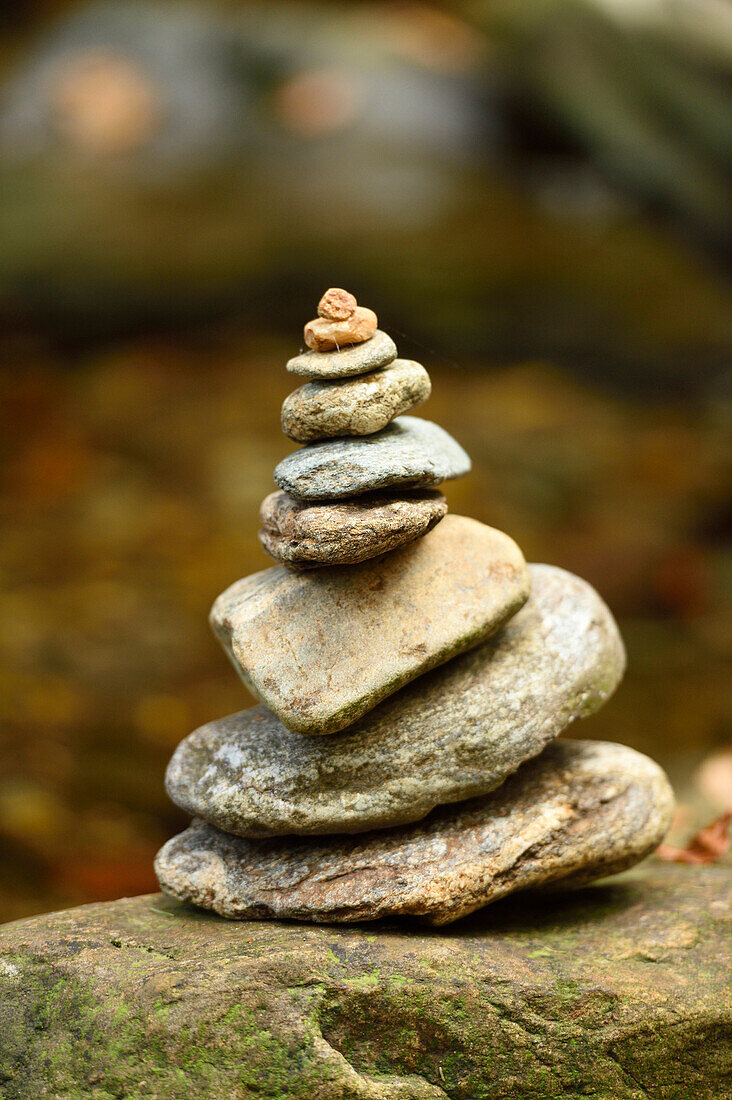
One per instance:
(324,334)
(356,406)
(324,647)
(336,304)
(581,810)
(410,452)
(342,532)
(359,359)
(615,991)
(453,734)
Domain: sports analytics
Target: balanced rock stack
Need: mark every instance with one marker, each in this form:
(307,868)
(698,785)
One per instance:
(440,666)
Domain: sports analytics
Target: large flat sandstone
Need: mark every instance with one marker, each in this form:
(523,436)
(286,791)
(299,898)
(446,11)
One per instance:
(322,648)
(615,991)
(455,733)
(354,406)
(410,452)
(581,810)
(307,534)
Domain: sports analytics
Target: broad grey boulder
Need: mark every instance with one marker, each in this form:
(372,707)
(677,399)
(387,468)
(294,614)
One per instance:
(354,406)
(453,734)
(410,452)
(306,535)
(579,811)
(612,991)
(321,648)
(376,352)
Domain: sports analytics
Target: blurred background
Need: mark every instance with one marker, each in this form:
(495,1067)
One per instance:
(534,196)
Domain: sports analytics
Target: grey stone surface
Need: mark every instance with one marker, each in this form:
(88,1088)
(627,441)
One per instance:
(580,810)
(410,453)
(453,734)
(321,648)
(344,532)
(356,406)
(614,992)
(357,359)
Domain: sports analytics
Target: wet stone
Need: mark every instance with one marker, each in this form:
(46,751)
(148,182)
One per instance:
(308,535)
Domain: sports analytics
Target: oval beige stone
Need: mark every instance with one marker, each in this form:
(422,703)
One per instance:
(356,406)
(323,647)
(308,535)
(579,811)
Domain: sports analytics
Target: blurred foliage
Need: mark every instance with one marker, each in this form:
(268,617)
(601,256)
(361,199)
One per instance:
(167,160)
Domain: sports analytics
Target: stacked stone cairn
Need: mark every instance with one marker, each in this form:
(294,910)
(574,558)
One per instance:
(413,675)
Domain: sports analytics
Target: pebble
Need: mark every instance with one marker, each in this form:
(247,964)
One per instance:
(577,812)
(455,733)
(305,535)
(410,452)
(377,352)
(336,304)
(322,334)
(321,648)
(356,406)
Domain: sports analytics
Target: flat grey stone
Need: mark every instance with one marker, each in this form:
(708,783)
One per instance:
(410,452)
(356,406)
(307,535)
(579,811)
(453,734)
(356,359)
(322,648)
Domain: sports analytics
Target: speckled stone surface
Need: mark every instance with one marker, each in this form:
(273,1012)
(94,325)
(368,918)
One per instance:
(355,406)
(323,647)
(453,734)
(410,453)
(310,535)
(357,359)
(614,992)
(581,810)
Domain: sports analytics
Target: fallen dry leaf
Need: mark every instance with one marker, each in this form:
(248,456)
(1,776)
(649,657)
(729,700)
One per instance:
(709,844)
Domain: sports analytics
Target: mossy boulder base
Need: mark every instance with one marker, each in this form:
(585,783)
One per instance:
(455,733)
(322,648)
(580,810)
(614,991)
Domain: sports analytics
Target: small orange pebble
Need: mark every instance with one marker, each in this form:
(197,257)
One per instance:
(336,304)
(323,335)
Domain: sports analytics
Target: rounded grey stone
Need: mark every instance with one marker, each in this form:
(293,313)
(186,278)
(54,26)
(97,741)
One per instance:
(307,535)
(323,647)
(453,734)
(579,811)
(356,359)
(356,406)
(410,452)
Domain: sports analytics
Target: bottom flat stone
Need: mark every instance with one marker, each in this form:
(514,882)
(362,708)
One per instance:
(579,811)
